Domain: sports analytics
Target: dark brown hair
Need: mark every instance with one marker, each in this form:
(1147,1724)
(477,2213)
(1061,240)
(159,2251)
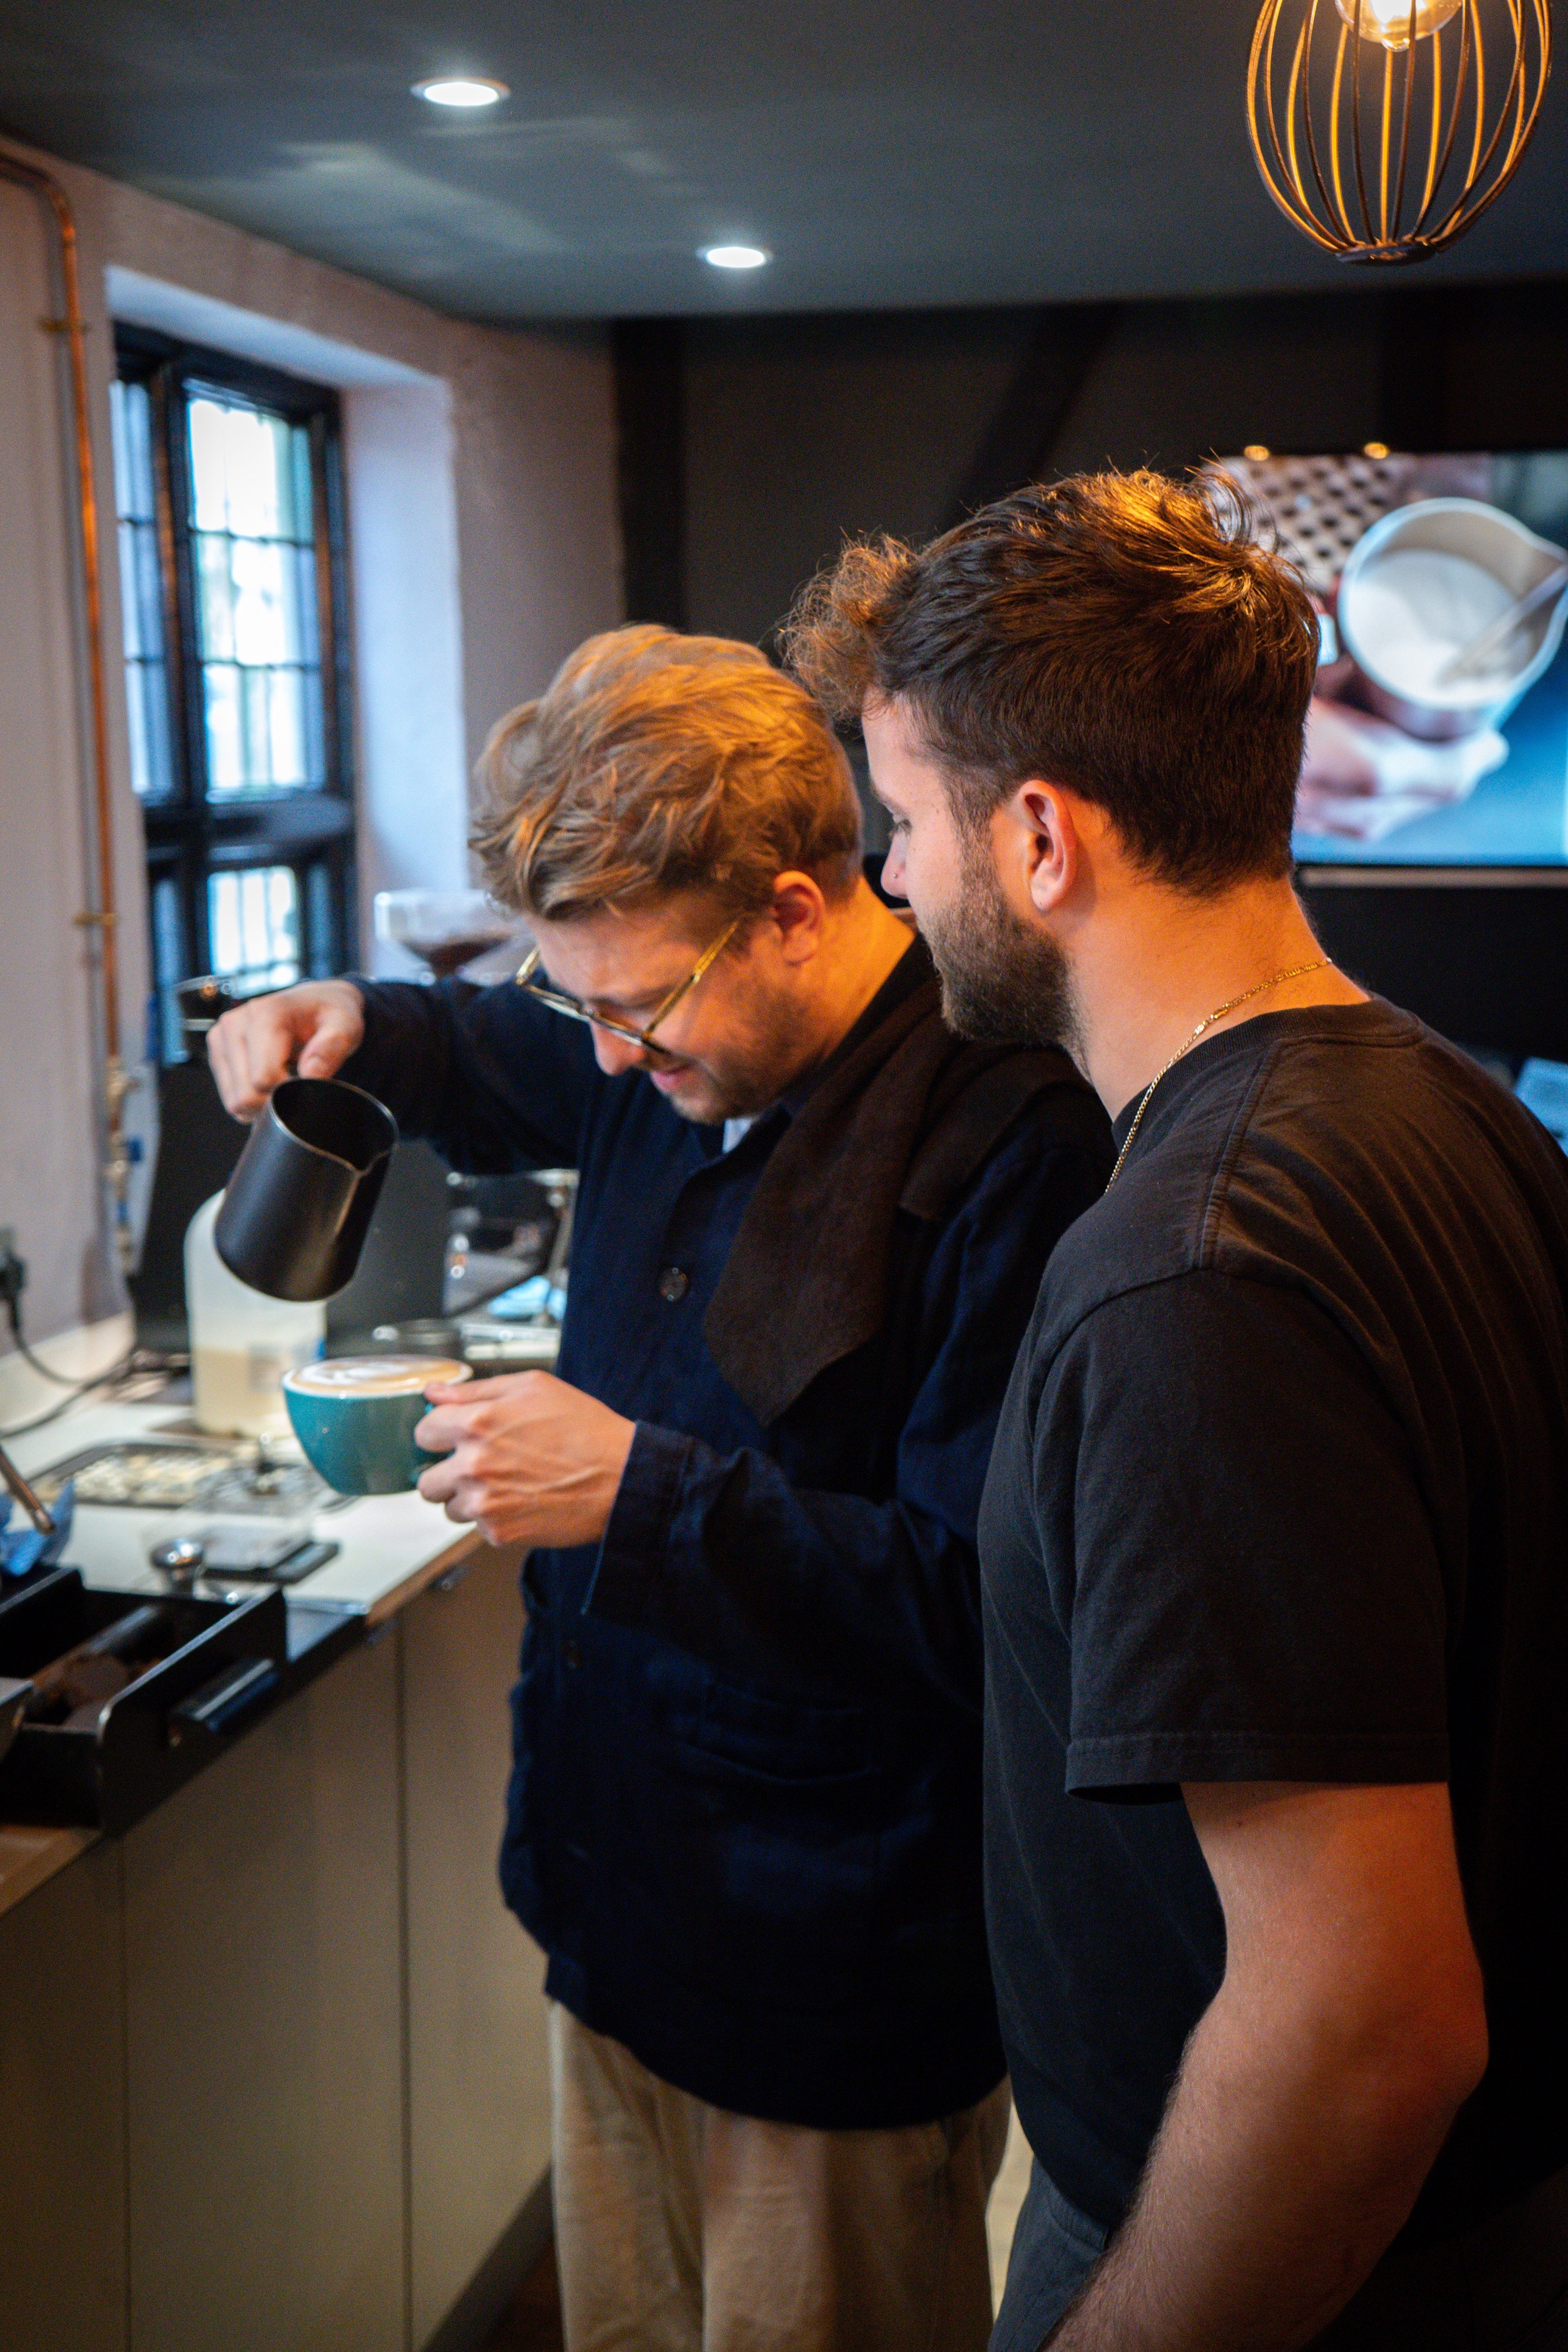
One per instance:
(1121,635)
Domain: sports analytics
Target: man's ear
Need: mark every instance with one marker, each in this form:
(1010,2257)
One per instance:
(799,909)
(1049,842)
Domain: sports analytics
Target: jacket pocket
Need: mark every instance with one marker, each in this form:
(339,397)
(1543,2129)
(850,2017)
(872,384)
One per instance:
(759,1844)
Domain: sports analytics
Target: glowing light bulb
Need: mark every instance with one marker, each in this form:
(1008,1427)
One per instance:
(1388,21)
(735,256)
(450,92)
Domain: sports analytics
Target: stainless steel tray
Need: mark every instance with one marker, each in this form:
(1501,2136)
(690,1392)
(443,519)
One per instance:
(169,1474)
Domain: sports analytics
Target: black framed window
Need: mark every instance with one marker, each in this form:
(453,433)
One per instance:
(228,496)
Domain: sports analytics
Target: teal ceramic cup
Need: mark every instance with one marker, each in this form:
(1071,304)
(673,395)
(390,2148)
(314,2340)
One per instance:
(355,1417)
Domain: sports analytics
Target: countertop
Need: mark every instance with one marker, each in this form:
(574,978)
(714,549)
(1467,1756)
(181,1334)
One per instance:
(391,1547)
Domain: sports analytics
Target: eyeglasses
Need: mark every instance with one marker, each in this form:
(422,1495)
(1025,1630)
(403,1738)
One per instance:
(574,1011)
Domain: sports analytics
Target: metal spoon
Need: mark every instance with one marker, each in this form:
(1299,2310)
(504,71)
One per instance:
(1496,634)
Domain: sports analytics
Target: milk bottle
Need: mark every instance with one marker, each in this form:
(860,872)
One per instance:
(242,1342)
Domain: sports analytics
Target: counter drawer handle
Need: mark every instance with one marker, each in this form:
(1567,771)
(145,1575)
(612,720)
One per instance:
(219,1704)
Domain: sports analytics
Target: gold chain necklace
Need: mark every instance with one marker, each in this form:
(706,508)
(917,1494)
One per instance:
(1276,980)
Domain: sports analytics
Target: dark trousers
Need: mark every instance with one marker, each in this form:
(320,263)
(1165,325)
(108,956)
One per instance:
(1502,2287)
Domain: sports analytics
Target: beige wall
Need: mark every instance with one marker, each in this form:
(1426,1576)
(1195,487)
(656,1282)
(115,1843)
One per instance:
(47,1124)
(537,560)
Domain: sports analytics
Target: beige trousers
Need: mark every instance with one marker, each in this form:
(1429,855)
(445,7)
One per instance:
(680,2228)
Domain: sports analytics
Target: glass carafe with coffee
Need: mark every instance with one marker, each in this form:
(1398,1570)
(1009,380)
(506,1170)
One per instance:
(448,930)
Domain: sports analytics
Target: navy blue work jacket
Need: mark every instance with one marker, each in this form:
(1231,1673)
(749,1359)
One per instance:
(744,1813)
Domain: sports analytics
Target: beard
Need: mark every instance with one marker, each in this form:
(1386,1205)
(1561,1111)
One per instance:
(759,1057)
(1003,982)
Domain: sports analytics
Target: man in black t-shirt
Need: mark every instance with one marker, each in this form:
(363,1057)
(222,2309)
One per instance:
(1274,1541)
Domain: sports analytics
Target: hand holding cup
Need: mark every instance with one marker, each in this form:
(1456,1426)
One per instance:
(528,1458)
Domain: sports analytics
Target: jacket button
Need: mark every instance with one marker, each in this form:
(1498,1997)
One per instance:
(673,1285)
(572,1651)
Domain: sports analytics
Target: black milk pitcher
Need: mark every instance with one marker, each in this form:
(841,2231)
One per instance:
(299,1205)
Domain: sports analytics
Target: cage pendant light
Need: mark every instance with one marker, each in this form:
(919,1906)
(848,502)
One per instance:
(1383,128)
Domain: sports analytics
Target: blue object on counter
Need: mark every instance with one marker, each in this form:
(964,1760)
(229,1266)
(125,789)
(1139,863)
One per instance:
(1543,1087)
(23,1548)
(525,1300)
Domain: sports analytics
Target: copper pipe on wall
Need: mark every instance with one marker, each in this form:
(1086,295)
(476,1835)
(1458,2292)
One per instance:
(103,919)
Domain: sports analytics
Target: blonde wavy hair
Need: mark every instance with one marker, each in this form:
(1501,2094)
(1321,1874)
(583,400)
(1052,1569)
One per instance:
(656,763)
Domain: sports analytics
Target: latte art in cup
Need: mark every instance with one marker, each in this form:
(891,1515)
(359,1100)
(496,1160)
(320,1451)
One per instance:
(340,1376)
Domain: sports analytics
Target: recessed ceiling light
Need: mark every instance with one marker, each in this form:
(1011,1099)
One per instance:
(735,256)
(444,91)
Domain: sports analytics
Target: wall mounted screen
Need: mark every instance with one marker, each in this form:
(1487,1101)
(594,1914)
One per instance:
(1438,734)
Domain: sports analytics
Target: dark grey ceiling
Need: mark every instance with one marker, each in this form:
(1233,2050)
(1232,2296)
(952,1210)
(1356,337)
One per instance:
(923,152)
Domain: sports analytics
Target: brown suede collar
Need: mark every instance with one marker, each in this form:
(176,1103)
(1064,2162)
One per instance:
(901,1119)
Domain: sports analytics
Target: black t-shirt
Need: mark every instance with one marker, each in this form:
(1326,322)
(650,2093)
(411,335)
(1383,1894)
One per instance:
(1281,1493)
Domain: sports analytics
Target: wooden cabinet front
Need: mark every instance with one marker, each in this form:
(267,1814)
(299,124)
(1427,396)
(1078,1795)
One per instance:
(62,2094)
(263,1957)
(478,2094)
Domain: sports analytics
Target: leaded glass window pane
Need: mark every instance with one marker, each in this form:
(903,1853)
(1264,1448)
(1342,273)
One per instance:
(254,923)
(319,909)
(141,593)
(171,963)
(228,516)
(255,570)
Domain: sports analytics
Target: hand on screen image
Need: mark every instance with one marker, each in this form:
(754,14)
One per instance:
(1362,778)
